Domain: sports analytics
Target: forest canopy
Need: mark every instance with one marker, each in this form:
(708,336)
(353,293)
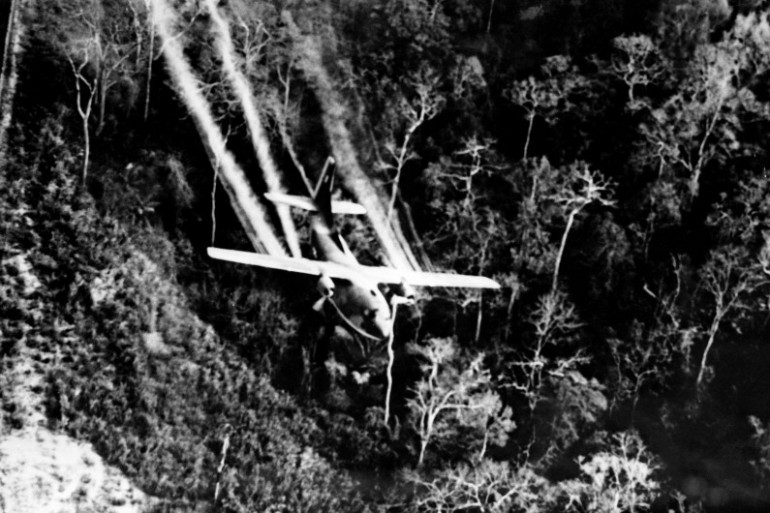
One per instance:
(605,161)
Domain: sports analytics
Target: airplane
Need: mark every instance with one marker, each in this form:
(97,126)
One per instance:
(349,287)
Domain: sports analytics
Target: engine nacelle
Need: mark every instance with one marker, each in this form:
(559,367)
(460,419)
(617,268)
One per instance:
(325,286)
(408,292)
(405,291)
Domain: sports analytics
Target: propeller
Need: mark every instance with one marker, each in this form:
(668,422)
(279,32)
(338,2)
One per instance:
(404,294)
(325,287)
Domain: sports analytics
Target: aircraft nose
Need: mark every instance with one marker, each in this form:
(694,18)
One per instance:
(383,326)
(385,329)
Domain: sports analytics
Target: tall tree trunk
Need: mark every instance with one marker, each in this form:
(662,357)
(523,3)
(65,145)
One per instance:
(570,221)
(87,148)
(150,58)
(529,134)
(712,336)
(102,85)
(489,18)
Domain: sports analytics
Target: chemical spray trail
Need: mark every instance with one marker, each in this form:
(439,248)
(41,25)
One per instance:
(259,139)
(393,242)
(245,203)
(12,49)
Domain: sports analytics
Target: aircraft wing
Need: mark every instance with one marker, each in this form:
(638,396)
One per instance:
(345,272)
(294,265)
(425,279)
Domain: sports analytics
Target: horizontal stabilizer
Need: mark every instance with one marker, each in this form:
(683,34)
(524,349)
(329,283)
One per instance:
(354,273)
(305,203)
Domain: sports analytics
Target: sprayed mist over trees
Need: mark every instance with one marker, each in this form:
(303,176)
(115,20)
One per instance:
(605,161)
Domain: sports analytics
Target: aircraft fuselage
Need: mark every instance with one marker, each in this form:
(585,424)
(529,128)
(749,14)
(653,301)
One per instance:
(359,300)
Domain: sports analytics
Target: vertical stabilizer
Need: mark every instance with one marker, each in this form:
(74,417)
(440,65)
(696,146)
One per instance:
(322,196)
(335,117)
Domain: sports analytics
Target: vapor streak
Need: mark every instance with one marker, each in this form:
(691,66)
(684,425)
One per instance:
(393,243)
(259,139)
(245,203)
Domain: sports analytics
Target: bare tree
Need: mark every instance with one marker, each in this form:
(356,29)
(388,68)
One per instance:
(99,61)
(696,125)
(553,319)
(636,65)
(592,188)
(111,60)
(424,107)
(85,90)
(139,34)
(730,277)
(467,392)
(546,97)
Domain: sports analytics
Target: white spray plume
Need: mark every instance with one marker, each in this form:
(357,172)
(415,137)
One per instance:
(245,203)
(393,242)
(259,139)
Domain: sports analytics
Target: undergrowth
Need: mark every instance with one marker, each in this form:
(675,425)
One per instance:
(129,367)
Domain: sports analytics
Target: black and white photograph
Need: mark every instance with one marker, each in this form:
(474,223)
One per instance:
(385,256)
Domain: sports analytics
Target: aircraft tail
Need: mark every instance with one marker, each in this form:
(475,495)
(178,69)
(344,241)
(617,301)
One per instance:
(322,196)
(319,199)
(320,202)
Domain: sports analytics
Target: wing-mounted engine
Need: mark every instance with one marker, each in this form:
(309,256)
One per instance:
(404,292)
(325,285)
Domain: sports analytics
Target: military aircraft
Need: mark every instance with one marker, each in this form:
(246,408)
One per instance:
(349,287)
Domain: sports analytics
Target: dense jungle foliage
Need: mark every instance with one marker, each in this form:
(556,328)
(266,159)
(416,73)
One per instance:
(605,160)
